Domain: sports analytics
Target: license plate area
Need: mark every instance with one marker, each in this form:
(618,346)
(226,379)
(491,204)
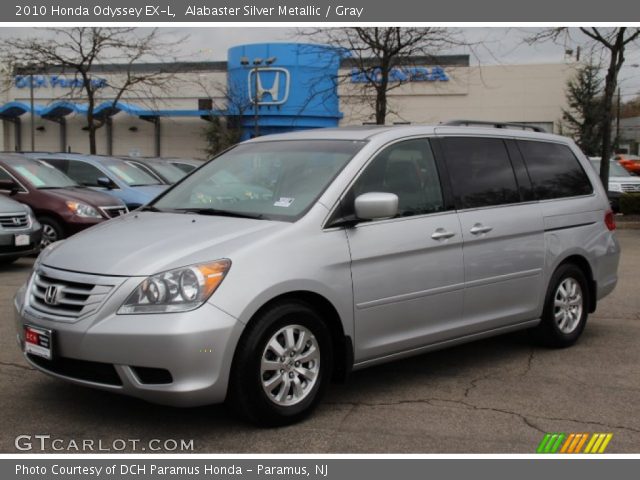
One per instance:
(38,341)
(22,240)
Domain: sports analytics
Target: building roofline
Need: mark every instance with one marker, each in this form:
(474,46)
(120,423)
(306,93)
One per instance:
(221,66)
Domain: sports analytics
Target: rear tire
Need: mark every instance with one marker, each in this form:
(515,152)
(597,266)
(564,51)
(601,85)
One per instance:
(566,307)
(282,365)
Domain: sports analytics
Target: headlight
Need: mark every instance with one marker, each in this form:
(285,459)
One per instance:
(177,290)
(615,187)
(83,210)
(29,212)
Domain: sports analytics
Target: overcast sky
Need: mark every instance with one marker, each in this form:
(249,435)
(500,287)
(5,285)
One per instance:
(492,45)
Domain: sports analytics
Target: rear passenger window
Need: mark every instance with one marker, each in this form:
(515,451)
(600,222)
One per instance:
(480,171)
(554,170)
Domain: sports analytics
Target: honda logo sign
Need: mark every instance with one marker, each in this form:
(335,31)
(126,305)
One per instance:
(270,85)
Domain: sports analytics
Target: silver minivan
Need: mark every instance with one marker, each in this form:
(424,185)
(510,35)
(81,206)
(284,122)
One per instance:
(290,260)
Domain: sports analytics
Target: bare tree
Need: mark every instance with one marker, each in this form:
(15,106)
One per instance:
(375,53)
(613,42)
(77,51)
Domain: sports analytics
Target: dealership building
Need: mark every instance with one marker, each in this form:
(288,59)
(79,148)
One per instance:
(269,88)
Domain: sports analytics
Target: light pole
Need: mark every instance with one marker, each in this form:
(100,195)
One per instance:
(619,108)
(257,96)
(27,70)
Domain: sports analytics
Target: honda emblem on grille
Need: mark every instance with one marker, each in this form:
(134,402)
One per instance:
(16,220)
(51,295)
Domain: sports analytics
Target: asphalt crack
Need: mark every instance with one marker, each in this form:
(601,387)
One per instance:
(526,419)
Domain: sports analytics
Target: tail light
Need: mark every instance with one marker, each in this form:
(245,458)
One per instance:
(610,220)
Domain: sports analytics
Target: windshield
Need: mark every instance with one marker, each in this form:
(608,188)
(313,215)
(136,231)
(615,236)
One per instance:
(615,169)
(42,175)
(276,180)
(132,176)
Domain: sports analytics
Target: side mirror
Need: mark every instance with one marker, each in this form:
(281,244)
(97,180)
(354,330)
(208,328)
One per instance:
(376,205)
(9,186)
(105,182)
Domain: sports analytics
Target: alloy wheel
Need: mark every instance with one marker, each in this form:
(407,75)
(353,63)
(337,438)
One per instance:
(290,365)
(568,305)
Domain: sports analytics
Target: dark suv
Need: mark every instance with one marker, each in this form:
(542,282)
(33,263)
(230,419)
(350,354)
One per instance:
(61,205)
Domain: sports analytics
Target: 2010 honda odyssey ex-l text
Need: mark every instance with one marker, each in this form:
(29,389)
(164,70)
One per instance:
(292,259)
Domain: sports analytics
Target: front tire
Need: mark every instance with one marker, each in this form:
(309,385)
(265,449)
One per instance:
(52,231)
(282,366)
(566,307)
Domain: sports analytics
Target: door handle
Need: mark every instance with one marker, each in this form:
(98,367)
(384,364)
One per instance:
(478,228)
(442,234)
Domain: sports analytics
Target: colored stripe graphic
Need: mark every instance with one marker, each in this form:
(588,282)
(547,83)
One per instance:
(581,443)
(574,442)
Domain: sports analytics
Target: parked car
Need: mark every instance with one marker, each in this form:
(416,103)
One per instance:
(372,244)
(107,174)
(630,162)
(61,205)
(163,170)
(620,182)
(20,232)
(188,165)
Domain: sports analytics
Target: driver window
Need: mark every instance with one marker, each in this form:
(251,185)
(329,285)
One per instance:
(408,170)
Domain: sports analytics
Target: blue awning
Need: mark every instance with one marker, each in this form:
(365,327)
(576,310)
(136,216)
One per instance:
(105,109)
(15,109)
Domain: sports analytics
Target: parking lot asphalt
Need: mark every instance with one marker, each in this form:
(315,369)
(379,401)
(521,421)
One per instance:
(494,396)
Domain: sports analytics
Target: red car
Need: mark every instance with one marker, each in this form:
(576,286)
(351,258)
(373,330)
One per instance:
(61,205)
(630,162)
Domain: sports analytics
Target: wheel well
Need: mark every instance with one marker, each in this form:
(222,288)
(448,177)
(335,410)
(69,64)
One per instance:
(56,218)
(342,344)
(583,265)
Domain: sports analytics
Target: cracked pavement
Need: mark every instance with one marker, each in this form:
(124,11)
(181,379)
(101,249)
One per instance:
(494,396)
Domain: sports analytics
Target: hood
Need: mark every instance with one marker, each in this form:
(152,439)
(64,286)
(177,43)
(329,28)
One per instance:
(150,191)
(144,243)
(86,195)
(626,180)
(8,205)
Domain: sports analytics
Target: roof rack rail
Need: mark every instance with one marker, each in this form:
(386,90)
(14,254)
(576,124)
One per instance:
(468,123)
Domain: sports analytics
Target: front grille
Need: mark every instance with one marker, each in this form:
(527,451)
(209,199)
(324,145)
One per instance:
(631,187)
(113,212)
(14,221)
(63,299)
(95,372)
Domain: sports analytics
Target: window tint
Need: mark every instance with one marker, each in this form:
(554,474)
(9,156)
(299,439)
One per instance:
(480,171)
(81,172)
(4,175)
(407,169)
(554,170)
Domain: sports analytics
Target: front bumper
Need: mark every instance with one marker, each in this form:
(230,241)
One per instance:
(196,348)
(7,242)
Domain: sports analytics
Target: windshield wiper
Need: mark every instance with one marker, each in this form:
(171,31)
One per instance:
(150,208)
(222,213)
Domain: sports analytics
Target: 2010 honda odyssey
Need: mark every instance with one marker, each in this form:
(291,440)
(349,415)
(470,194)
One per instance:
(336,249)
